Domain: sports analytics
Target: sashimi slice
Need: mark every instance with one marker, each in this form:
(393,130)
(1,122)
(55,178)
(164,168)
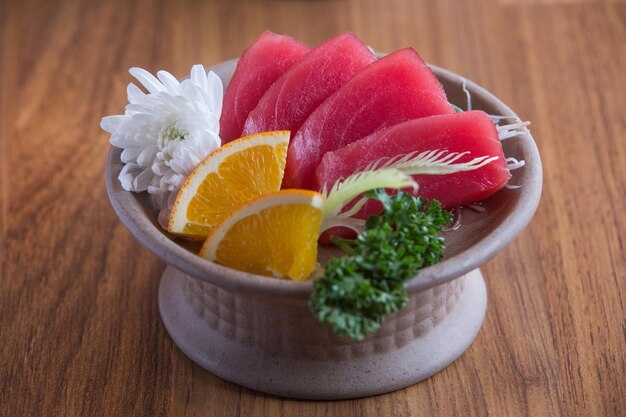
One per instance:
(471,131)
(300,90)
(396,88)
(259,66)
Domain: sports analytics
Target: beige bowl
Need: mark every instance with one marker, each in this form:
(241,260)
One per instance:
(258,332)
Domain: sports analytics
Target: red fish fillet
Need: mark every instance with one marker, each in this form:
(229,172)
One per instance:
(300,90)
(394,89)
(259,66)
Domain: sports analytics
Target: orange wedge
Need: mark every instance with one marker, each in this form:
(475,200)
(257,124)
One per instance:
(274,235)
(236,173)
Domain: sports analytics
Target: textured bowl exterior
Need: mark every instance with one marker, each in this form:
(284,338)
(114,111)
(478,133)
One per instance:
(279,348)
(259,332)
(290,330)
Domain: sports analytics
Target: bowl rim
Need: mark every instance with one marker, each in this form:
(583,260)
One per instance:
(131,213)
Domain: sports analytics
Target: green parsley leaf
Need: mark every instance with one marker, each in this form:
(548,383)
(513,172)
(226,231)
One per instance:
(359,289)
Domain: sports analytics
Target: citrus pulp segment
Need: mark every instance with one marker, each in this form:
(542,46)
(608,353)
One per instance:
(237,172)
(274,235)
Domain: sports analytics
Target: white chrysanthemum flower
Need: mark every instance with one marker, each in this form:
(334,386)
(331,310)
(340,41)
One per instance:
(164,134)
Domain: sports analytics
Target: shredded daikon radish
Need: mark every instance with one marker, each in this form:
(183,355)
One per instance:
(513,163)
(512,129)
(477,208)
(467,94)
(496,118)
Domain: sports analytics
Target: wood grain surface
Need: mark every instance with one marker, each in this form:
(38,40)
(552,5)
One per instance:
(80,333)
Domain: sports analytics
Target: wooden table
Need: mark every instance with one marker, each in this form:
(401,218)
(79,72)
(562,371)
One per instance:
(80,333)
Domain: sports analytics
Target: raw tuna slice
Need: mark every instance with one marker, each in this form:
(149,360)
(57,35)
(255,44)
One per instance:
(259,66)
(300,90)
(396,88)
(471,131)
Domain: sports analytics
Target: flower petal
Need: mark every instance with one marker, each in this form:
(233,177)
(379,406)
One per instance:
(177,181)
(127,175)
(146,79)
(121,141)
(157,158)
(169,81)
(215,92)
(111,124)
(134,94)
(159,167)
(190,91)
(130,154)
(146,157)
(198,76)
(143,180)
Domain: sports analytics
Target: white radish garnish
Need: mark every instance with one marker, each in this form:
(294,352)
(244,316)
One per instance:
(514,127)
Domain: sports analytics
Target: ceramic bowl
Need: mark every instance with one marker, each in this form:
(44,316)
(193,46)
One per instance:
(258,332)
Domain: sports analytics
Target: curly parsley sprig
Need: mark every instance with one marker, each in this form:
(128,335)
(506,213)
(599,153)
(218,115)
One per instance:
(359,289)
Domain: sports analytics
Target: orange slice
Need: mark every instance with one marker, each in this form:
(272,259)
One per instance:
(274,235)
(237,172)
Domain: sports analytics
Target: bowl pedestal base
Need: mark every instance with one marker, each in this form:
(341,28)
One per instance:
(252,342)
